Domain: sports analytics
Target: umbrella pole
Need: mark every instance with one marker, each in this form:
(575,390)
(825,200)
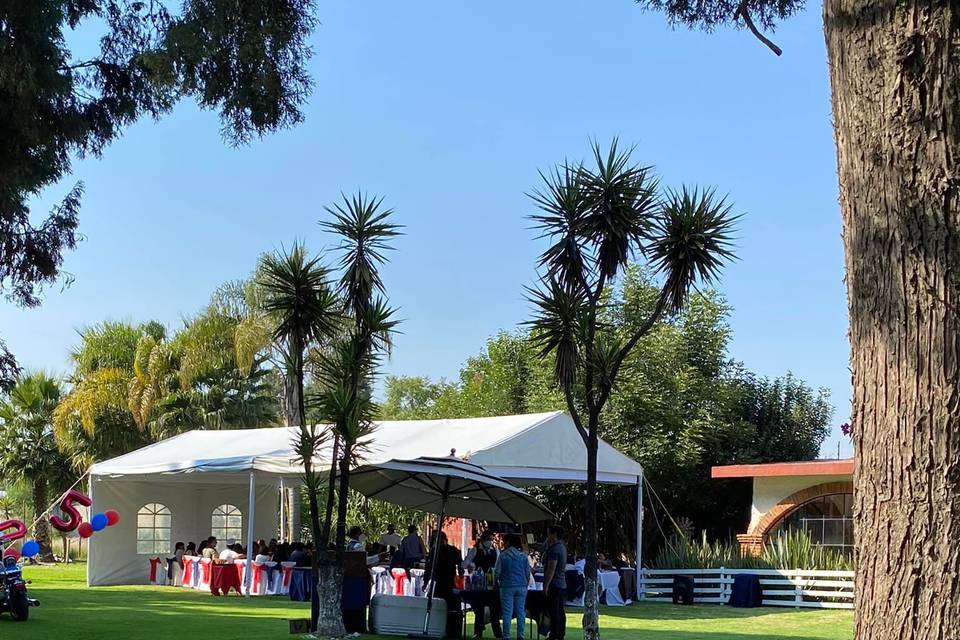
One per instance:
(436,553)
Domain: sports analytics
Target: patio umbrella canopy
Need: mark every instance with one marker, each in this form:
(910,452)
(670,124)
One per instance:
(449,486)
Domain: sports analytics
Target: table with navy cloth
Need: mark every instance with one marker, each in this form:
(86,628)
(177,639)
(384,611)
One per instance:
(301,586)
(536,600)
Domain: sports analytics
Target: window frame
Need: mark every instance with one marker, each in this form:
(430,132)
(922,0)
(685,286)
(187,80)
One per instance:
(158,545)
(227,531)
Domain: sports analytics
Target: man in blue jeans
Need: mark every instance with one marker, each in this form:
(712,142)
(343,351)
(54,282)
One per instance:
(555,581)
(513,572)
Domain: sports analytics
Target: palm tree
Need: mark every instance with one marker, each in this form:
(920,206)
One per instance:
(297,292)
(28,449)
(597,219)
(346,371)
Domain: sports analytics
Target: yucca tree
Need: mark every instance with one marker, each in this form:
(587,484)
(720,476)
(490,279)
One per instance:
(346,370)
(28,449)
(598,218)
(298,294)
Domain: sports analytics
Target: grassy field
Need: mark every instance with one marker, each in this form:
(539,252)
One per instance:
(70,610)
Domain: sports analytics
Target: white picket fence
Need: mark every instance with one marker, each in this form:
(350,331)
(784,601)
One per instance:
(781,588)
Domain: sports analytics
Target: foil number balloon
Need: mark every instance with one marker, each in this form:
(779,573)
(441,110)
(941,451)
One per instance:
(68,508)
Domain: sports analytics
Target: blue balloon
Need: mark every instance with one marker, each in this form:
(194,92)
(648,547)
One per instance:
(98,522)
(30,549)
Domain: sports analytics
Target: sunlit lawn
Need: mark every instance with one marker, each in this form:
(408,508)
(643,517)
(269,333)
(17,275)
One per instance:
(70,610)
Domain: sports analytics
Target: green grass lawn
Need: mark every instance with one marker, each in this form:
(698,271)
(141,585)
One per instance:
(70,610)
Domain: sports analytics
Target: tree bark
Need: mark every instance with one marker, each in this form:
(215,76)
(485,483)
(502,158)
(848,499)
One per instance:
(895,79)
(591,609)
(42,529)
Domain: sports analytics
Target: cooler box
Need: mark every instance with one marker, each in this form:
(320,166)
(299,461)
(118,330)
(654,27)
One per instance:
(403,615)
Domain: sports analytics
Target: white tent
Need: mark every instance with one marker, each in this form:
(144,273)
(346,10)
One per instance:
(194,473)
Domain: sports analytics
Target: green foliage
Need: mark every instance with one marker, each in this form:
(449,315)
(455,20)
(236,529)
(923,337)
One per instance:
(709,14)
(788,550)
(247,59)
(28,449)
(680,406)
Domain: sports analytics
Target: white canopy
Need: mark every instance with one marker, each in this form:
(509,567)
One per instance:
(528,449)
(193,474)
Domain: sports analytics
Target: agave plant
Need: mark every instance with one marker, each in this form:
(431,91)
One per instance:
(597,218)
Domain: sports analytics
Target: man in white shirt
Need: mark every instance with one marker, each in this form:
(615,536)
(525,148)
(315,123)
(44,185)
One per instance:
(390,538)
(231,553)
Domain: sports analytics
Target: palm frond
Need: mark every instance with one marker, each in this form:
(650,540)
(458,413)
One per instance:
(562,200)
(558,326)
(621,198)
(691,240)
(365,230)
(297,291)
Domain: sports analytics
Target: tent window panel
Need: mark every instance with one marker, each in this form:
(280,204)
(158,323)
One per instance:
(226,522)
(153,529)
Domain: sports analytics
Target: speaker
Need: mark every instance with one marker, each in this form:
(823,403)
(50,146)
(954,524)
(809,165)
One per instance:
(683,589)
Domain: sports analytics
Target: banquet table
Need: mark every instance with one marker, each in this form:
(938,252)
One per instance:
(225,577)
(301,586)
(536,601)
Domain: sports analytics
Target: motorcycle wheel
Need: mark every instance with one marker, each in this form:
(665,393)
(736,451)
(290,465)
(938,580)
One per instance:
(19,609)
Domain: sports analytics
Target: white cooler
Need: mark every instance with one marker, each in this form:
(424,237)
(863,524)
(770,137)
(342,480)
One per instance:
(403,615)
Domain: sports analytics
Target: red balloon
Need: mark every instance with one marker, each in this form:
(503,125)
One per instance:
(85,530)
(112,517)
(12,552)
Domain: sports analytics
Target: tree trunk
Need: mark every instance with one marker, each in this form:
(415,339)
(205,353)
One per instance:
(591,612)
(343,495)
(895,79)
(42,529)
(291,400)
(293,496)
(331,490)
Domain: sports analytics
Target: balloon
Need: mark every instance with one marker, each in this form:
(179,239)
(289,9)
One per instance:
(66,505)
(85,529)
(12,552)
(30,548)
(99,522)
(19,530)
(112,517)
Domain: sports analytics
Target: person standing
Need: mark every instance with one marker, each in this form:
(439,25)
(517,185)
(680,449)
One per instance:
(482,558)
(412,549)
(555,581)
(390,541)
(448,565)
(513,572)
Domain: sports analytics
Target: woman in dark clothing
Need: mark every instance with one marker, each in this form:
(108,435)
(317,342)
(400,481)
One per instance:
(448,566)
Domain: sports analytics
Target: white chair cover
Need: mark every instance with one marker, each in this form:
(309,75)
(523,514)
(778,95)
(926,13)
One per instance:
(578,567)
(610,586)
(205,572)
(273,576)
(286,574)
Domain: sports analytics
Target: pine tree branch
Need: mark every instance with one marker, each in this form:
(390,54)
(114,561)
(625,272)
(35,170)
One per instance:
(743,12)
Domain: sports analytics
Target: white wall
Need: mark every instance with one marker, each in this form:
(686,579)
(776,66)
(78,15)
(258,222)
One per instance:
(768,492)
(113,557)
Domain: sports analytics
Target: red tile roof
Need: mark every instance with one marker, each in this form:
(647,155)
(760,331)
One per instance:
(771,469)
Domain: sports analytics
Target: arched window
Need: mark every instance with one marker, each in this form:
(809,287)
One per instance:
(828,520)
(227,523)
(153,529)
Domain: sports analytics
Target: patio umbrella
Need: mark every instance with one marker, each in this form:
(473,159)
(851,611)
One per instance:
(448,487)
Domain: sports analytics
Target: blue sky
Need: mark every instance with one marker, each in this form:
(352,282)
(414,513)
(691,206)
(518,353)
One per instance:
(448,109)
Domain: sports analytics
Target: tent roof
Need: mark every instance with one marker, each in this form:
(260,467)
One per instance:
(526,449)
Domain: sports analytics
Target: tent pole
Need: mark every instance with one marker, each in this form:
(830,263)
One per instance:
(435,554)
(283,511)
(251,505)
(639,576)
